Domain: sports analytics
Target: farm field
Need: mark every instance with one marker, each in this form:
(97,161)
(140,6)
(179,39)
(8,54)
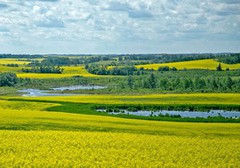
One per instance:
(119,84)
(79,70)
(210,64)
(108,149)
(10,69)
(199,98)
(52,139)
(68,131)
(69,71)
(87,104)
(21,105)
(4,61)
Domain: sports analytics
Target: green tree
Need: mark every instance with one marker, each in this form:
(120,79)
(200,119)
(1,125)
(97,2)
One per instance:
(120,58)
(188,84)
(130,82)
(152,81)
(8,79)
(199,83)
(219,67)
(229,82)
(163,83)
(214,84)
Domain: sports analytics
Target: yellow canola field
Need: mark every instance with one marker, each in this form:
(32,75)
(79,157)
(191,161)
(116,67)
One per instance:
(24,105)
(95,149)
(69,71)
(197,64)
(73,140)
(44,120)
(197,98)
(4,61)
(10,69)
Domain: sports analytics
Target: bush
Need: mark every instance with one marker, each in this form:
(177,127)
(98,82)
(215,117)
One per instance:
(8,79)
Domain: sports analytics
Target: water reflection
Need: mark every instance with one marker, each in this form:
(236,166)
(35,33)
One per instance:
(80,87)
(38,93)
(182,114)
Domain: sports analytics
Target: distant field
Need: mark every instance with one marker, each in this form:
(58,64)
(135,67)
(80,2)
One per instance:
(198,64)
(200,98)
(68,72)
(67,131)
(53,139)
(10,69)
(12,61)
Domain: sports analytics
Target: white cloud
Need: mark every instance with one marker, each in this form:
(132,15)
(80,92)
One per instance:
(118,25)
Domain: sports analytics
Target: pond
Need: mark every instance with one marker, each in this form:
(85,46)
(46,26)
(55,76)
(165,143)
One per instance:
(182,114)
(80,87)
(39,93)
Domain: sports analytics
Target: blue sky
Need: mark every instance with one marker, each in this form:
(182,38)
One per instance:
(119,26)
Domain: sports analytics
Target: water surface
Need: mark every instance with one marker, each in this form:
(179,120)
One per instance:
(39,93)
(80,87)
(182,114)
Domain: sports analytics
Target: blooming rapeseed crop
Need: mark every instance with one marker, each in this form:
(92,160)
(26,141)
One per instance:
(196,64)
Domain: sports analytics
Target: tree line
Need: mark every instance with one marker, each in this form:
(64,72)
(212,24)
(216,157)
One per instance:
(122,70)
(11,65)
(65,61)
(194,84)
(20,56)
(230,58)
(105,70)
(43,69)
(164,58)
